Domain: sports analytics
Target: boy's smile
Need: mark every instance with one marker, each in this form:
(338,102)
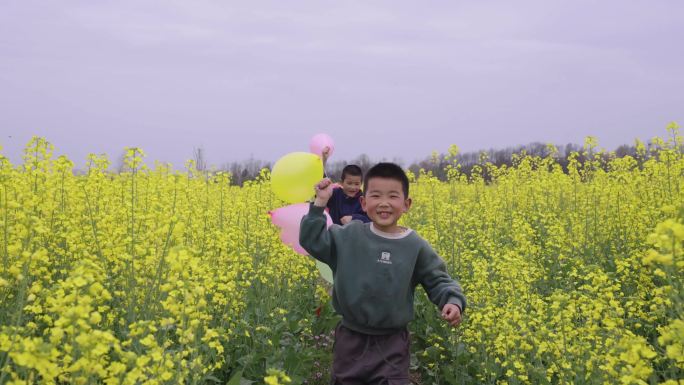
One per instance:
(351,185)
(384,202)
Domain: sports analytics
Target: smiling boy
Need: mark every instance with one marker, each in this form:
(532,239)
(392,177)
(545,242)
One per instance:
(376,268)
(344,204)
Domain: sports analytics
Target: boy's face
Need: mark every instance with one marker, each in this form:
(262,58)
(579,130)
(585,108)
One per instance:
(384,202)
(351,185)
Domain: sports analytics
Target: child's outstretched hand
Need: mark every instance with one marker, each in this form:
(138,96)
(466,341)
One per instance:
(452,314)
(324,191)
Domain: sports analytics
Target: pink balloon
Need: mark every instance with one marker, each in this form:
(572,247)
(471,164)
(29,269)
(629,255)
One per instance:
(319,142)
(287,219)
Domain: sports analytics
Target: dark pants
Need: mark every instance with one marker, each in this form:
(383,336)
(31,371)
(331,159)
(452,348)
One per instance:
(364,359)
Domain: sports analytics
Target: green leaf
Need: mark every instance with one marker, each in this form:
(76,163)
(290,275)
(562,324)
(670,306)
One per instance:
(209,377)
(236,379)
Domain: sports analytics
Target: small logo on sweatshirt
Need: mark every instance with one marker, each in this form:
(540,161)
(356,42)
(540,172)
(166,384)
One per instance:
(385,258)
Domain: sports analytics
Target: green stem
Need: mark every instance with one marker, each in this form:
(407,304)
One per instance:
(5,255)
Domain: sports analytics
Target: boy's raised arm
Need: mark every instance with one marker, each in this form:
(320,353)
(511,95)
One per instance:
(314,236)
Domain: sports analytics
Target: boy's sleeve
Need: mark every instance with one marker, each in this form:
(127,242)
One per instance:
(330,202)
(361,217)
(314,236)
(432,275)
(331,207)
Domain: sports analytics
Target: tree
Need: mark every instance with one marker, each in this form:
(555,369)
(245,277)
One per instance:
(199,157)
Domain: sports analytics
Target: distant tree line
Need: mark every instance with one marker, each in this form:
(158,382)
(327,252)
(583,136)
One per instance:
(437,162)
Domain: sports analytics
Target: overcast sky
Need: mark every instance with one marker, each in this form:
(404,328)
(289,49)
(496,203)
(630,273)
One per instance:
(392,79)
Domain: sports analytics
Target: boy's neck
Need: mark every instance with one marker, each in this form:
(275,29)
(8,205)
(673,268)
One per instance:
(394,232)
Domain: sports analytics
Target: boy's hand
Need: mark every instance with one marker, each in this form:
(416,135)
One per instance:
(346,219)
(452,314)
(323,192)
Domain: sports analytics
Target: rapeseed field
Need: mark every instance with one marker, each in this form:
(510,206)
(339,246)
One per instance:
(155,276)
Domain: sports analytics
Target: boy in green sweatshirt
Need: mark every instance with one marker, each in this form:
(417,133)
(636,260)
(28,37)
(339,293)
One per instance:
(377,267)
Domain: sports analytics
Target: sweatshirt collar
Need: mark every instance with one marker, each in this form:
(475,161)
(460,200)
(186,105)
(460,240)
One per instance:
(358,194)
(387,235)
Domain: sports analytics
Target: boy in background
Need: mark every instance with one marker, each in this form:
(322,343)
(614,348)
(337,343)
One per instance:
(344,204)
(377,267)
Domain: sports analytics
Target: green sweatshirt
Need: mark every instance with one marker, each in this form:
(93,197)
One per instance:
(376,273)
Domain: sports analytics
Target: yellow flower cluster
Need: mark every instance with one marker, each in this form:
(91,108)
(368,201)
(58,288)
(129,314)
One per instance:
(276,377)
(136,277)
(573,273)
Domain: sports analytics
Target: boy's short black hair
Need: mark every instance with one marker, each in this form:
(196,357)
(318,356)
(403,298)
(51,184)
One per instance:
(351,170)
(389,171)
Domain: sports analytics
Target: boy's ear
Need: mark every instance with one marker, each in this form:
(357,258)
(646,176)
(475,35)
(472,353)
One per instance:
(362,199)
(407,204)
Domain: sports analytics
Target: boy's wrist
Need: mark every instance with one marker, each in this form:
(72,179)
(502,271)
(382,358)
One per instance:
(320,202)
(455,301)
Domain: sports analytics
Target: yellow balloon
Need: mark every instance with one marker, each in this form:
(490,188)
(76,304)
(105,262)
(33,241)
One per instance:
(294,175)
